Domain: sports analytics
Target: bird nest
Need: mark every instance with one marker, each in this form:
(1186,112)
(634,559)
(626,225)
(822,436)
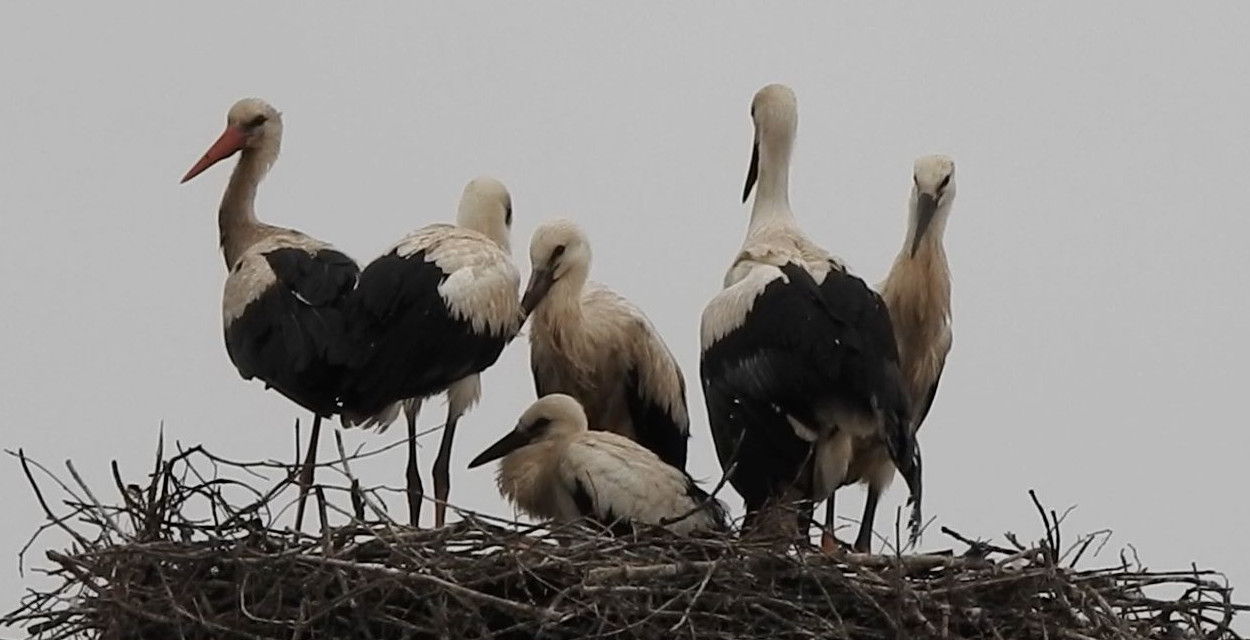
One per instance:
(197,553)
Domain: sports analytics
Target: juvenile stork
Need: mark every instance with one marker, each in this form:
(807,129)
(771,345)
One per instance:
(918,293)
(798,357)
(555,468)
(283,308)
(591,343)
(428,316)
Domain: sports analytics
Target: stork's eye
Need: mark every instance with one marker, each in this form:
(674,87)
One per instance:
(915,180)
(557,252)
(257,121)
(945,181)
(538,426)
(507,216)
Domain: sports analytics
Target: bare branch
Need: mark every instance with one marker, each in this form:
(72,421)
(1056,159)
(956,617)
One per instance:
(208,561)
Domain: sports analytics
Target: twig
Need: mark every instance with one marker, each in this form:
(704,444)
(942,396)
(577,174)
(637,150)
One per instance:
(59,522)
(100,510)
(212,568)
(347,470)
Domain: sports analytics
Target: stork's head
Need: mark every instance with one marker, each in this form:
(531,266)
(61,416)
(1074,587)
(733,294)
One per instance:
(552,415)
(932,192)
(559,252)
(251,124)
(486,207)
(775,112)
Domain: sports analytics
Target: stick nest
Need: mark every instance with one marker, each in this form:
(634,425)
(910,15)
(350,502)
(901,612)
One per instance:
(197,554)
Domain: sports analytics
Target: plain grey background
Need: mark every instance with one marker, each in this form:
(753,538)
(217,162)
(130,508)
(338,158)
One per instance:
(1096,241)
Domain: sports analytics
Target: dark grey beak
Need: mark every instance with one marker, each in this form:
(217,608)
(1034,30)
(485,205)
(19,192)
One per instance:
(753,172)
(511,442)
(539,284)
(926,206)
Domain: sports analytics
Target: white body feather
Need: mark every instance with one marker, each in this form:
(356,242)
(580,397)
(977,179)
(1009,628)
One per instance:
(482,283)
(587,353)
(619,477)
(251,274)
(622,478)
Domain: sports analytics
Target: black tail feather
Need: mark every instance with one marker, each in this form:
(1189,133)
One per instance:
(905,452)
(915,485)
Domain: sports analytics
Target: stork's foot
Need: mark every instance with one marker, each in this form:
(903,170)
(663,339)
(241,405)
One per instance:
(863,543)
(831,545)
(525,543)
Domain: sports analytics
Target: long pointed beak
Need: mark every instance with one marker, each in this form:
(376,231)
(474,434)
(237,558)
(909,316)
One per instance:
(231,140)
(753,172)
(540,283)
(926,207)
(512,441)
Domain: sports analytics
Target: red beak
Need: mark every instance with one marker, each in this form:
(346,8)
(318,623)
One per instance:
(231,140)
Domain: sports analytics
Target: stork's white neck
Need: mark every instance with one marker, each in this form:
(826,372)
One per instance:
(563,303)
(236,217)
(930,251)
(772,188)
(474,214)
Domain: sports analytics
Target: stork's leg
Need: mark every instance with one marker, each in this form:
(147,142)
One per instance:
(461,395)
(306,474)
(442,470)
(833,454)
(807,516)
(829,543)
(416,492)
(863,542)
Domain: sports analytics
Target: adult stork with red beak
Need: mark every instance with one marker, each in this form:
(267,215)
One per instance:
(285,292)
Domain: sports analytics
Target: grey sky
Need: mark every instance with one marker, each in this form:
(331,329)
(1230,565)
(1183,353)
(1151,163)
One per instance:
(1096,241)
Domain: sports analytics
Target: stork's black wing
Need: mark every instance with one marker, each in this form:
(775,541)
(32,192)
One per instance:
(293,334)
(922,410)
(539,389)
(880,381)
(713,507)
(656,428)
(614,523)
(790,353)
(408,342)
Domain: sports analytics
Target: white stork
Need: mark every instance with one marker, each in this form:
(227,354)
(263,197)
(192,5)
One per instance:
(555,468)
(591,343)
(285,295)
(918,294)
(428,316)
(798,356)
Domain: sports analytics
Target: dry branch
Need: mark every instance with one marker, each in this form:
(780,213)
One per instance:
(196,552)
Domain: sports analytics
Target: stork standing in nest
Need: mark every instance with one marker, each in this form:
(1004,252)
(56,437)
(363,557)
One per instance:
(429,316)
(798,355)
(555,468)
(591,343)
(285,297)
(918,293)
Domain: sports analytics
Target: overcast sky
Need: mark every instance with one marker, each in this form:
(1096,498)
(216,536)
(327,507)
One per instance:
(1097,240)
